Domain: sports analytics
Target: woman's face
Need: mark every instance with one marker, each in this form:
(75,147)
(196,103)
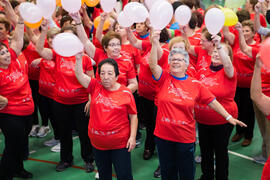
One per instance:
(215,58)
(141,28)
(107,76)
(248,33)
(5,58)
(207,45)
(121,30)
(180,45)
(114,48)
(177,64)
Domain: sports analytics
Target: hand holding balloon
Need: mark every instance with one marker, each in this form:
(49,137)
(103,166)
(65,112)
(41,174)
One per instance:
(257,8)
(216,40)
(44,25)
(155,37)
(76,17)
(238,27)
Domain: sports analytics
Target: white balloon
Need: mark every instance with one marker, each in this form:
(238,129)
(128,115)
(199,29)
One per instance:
(136,12)
(67,44)
(71,6)
(261,1)
(124,20)
(160,15)
(182,15)
(47,7)
(30,12)
(107,5)
(150,3)
(214,20)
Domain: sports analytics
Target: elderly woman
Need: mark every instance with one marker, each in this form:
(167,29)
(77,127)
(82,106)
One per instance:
(16,106)
(214,130)
(113,119)
(175,125)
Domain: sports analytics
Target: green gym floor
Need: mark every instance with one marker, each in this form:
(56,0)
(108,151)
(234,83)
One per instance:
(42,161)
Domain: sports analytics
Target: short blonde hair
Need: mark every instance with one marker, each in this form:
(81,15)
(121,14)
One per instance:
(178,39)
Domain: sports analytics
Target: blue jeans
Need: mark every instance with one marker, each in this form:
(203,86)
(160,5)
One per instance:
(176,159)
(121,160)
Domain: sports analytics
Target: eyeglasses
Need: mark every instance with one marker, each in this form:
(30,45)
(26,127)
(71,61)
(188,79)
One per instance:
(114,45)
(178,60)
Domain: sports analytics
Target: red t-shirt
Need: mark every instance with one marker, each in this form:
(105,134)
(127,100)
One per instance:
(268,117)
(262,19)
(147,85)
(125,66)
(224,89)
(14,85)
(132,53)
(67,88)
(175,101)
(47,78)
(243,64)
(266,170)
(109,126)
(30,55)
(145,37)
(203,58)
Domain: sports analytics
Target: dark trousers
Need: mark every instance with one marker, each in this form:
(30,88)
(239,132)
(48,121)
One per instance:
(245,112)
(148,114)
(214,140)
(36,97)
(137,101)
(121,160)
(176,160)
(15,130)
(46,112)
(66,116)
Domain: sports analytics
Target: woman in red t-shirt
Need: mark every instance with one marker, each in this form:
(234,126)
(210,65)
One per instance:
(214,130)
(16,106)
(244,55)
(175,125)
(263,103)
(70,101)
(113,119)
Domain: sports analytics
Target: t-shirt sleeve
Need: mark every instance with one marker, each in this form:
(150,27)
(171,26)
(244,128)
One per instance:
(146,44)
(205,96)
(263,21)
(255,51)
(99,53)
(87,63)
(131,72)
(13,54)
(92,85)
(132,105)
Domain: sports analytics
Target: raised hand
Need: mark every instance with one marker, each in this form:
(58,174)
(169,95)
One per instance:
(76,17)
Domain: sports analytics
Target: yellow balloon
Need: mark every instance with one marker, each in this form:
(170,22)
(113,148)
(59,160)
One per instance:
(33,25)
(106,24)
(91,3)
(230,17)
(58,3)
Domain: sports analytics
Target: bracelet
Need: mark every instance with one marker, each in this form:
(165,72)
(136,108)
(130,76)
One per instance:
(218,48)
(78,23)
(229,117)
(20,23)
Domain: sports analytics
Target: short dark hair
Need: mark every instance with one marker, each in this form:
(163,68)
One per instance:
(176,4)
(164,35)
(64,19)
(207,35)
(69,28)
(243,15)
(111,62)
(193,21)
(108,37)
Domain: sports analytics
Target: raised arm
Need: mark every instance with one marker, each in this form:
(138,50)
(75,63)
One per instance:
(43,52)
(224,57)
(191,49)
(230,37)
(242,42)
(88,45)
(83,79)
(215,105)
(133,40)
(17,39)
(10,13)
(256,94)
(154,67)
(99,31)
(257,22)
(86,20)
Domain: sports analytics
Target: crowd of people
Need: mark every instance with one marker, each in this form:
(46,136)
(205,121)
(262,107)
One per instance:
(173,81)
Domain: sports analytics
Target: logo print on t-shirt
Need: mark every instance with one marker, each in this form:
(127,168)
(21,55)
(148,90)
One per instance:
(208,81)
(67,67)
(107,101)
(178,92)
(14,76)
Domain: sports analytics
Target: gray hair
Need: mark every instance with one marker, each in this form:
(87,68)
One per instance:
(179,51)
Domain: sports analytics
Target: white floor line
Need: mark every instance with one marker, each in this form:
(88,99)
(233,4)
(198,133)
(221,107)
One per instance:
(75,137)
(241,155)
(32,152)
